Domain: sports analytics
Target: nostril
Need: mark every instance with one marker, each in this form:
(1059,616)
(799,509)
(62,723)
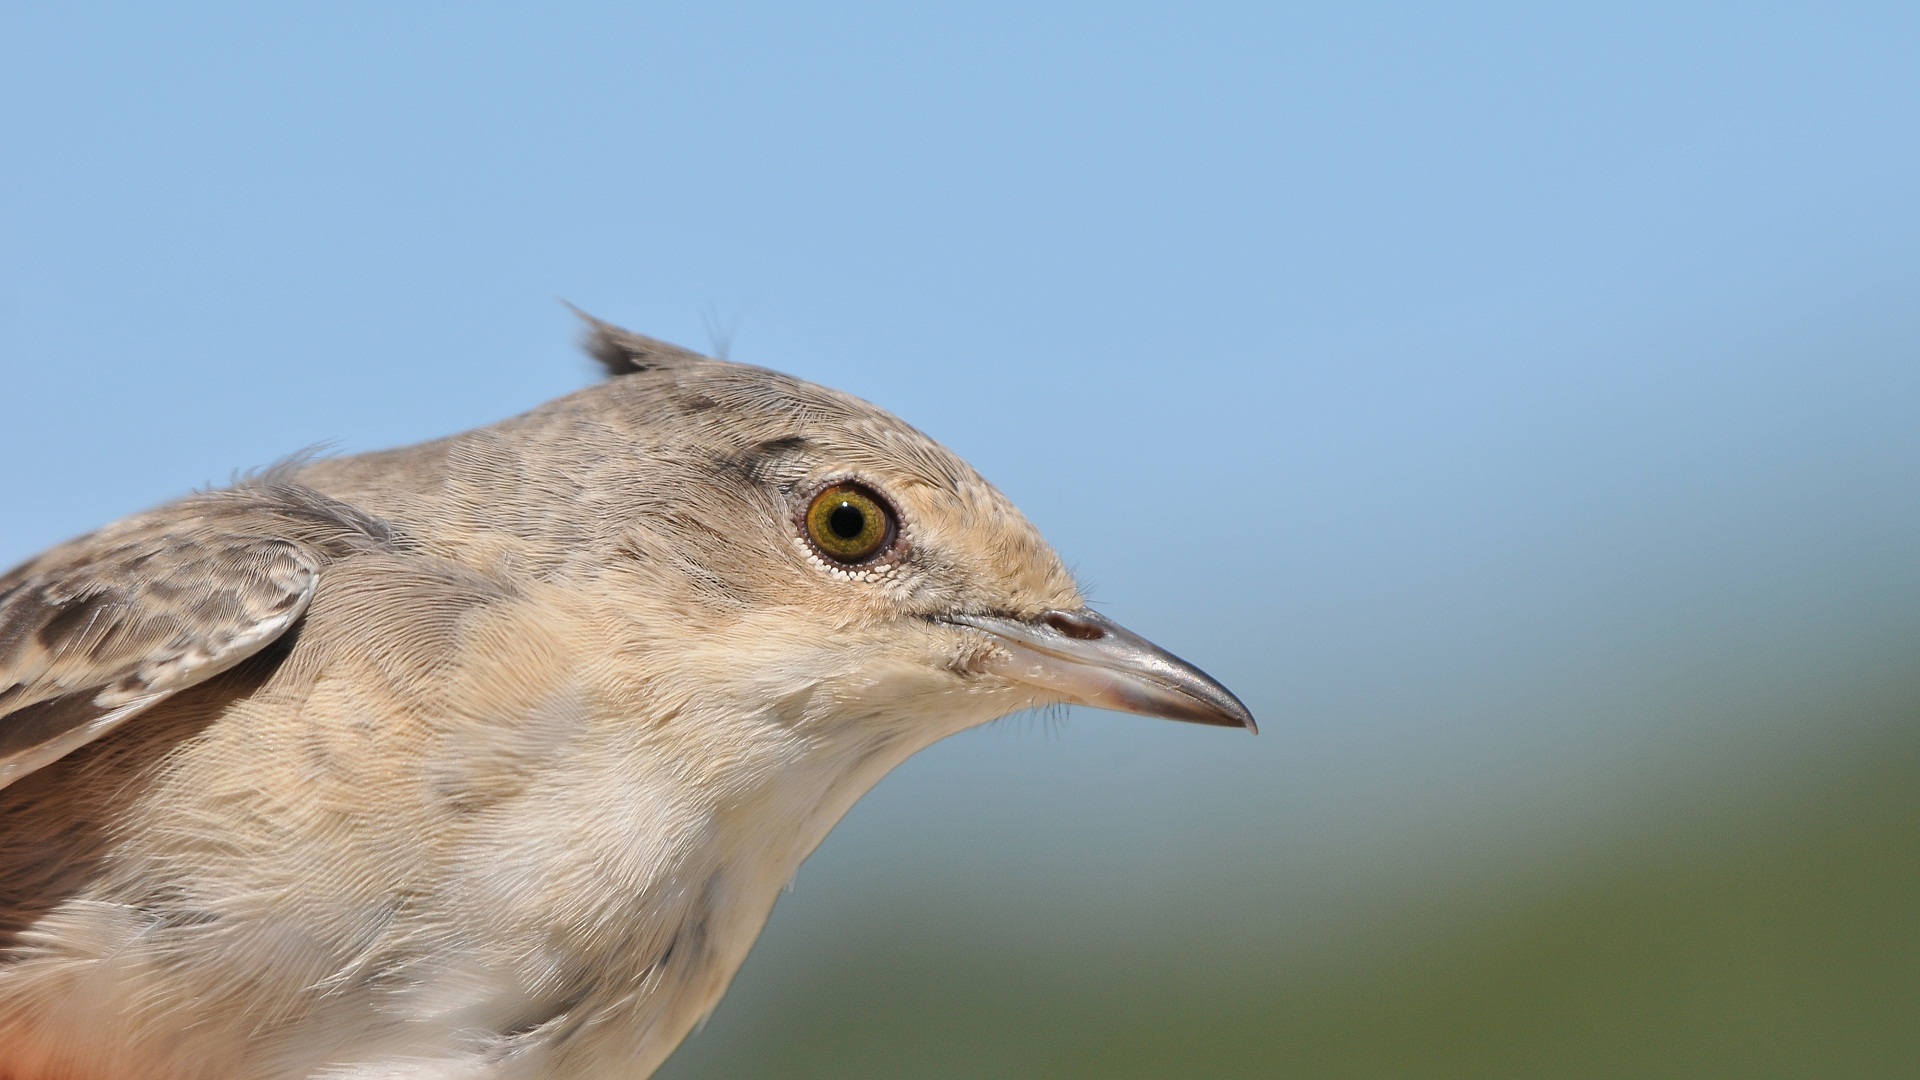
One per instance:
(1073,626)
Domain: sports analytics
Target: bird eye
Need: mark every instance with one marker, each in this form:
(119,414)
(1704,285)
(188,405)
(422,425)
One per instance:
(849,524)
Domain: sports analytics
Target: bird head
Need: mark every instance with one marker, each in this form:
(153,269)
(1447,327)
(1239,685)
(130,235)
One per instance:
(804,547)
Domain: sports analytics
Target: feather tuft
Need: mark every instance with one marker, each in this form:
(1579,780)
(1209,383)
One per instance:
(622,352)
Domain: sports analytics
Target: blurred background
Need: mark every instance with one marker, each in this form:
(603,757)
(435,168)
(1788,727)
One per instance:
(1519,405)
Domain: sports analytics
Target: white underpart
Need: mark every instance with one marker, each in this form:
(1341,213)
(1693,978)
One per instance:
(714,851)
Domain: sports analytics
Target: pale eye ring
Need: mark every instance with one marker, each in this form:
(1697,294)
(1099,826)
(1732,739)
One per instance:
(850,524)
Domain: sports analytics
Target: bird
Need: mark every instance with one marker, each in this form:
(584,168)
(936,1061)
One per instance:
(487,758)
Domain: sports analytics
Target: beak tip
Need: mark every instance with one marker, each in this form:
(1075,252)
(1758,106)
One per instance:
(1241,717)
(1210,703)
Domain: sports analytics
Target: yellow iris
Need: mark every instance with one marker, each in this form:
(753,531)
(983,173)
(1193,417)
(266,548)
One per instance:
(848,523)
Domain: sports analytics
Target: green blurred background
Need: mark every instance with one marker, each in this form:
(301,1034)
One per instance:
(1763,928)
(1518,405)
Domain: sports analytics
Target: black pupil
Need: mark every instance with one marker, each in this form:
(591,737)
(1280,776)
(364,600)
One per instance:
(847,521)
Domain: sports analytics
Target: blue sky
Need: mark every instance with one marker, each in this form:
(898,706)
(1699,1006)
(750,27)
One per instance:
(1496,395)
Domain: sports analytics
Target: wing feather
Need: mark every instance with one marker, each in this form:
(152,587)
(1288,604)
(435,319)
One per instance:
(101,629)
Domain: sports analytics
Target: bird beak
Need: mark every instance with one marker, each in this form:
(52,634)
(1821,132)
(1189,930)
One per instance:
(1089,659)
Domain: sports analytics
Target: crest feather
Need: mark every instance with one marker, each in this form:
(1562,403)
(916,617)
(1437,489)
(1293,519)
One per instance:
(623,352)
